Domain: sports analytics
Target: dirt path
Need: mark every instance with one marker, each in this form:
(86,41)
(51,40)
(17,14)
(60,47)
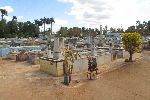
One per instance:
(19,81)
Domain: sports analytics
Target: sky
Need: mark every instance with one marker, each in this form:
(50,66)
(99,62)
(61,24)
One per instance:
(78,13)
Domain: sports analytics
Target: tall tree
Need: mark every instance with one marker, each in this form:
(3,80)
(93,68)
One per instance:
(3,13)
(43,20)
(2,28)
(14,18)
(51,22)
(11,28)
(131,29)
(14,26)
(38,23)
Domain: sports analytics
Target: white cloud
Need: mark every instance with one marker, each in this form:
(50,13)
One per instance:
(109,12)
(90,11)
(9,9)
(19,18)
(8,18)
(59,23)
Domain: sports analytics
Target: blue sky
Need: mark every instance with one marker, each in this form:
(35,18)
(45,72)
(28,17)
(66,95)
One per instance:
(87,13)
(33,9)
(36,9)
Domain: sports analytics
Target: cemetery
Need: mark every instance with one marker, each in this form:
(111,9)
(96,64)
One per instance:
(49,52)
(50,58)
(86,53)
(60,56)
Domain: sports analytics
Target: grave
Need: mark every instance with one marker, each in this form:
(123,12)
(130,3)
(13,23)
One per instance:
(53,65)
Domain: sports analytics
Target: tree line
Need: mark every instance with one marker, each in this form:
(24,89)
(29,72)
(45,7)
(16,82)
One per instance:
(77,32)
(82,32)
(141,27)
(14,28)
(26,29)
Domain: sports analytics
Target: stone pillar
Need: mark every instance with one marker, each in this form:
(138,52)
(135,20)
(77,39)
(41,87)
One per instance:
(101,30)
(49,55)
(89,41)
(93,51)
(71,45)
(101,36)
(61,47)
(111,51)
(61,43)
(56,51)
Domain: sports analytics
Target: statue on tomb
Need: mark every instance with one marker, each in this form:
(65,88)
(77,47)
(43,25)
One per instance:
(92,67)
(69,58)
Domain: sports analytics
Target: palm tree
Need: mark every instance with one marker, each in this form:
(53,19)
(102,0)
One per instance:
(14,25)
(14,18)
(43,20)
(51,22)
(38,22)
(3,12)
(48,21)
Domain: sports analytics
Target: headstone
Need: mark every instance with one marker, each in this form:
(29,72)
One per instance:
(93,51)
(56,51)
(61,47)
(49,55)
(89,41)
(111,51)
(61,43)
(101,36)
(101,30)
(71,45)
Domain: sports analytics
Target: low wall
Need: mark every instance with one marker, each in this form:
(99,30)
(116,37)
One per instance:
(55,68)
(82,64)
(4,52)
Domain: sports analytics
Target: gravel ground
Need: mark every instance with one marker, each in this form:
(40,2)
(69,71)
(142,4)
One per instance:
(116,81)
